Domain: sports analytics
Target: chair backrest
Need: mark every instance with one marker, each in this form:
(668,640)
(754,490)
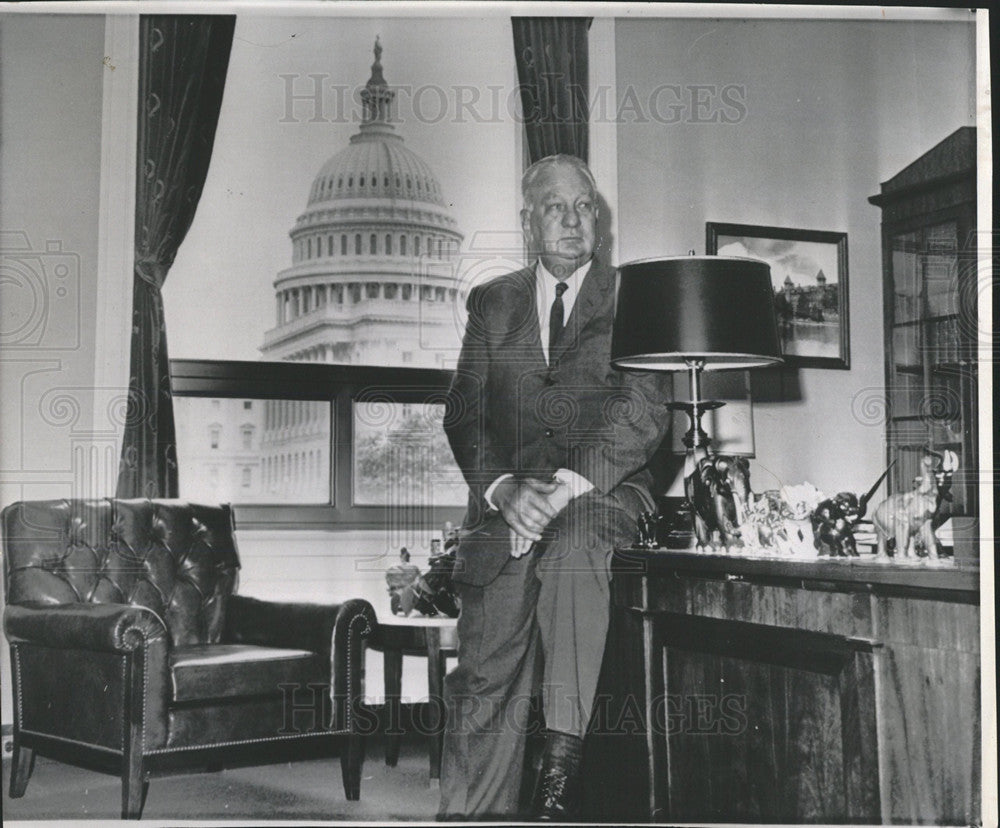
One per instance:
(178,559)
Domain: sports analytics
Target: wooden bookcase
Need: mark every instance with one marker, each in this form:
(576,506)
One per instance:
(930,288)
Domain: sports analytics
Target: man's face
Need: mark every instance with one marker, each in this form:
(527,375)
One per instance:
(560,224)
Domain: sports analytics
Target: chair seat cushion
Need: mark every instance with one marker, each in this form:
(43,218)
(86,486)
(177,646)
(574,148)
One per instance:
(215,671)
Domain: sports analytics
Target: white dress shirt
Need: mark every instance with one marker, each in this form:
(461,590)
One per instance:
(545,292)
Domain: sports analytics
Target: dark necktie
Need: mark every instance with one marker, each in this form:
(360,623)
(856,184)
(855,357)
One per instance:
(556,317)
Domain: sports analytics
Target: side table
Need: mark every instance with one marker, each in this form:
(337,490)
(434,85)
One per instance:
(417,635)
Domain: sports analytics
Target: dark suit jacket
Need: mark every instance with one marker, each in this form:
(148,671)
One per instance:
(510,412)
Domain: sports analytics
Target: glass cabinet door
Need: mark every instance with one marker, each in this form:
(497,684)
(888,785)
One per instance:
(931,373)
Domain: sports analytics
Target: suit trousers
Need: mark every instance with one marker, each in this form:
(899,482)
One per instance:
(545,616)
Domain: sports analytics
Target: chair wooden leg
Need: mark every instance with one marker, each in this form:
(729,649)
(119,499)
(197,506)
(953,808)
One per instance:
(351,757)
(134,788)
(393,660)
(22,763)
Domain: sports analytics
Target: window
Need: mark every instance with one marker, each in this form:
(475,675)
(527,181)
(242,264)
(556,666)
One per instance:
(371,290)
(402,457)
(253,332)
(371,244)
(247,405)
(395,453)
(278,432)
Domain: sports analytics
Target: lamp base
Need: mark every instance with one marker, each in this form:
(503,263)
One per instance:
(696,437)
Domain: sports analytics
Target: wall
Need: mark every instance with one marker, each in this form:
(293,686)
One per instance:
(50,164)
(830,109)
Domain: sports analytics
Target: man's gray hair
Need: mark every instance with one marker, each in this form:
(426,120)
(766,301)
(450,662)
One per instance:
(539,168)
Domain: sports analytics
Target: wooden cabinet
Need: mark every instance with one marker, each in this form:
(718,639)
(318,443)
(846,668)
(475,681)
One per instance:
(930,287)
(738,690)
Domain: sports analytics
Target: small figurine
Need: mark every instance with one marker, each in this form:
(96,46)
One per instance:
(648,524)
(905,521)
(400,578)
(834,519)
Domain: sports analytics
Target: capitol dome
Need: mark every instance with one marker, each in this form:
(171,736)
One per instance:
(373,254)
(376,165)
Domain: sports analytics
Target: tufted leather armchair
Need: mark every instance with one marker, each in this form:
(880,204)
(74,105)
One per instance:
(129,645)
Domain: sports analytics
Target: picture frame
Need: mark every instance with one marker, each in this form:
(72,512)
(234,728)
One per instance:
(809,275)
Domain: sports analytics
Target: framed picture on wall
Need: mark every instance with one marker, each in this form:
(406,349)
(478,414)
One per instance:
(809,276)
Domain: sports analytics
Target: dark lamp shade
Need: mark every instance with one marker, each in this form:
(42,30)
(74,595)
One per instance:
(716,309)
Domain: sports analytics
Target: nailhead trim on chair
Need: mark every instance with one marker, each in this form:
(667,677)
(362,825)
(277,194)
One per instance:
(348,717)
(125,685)
(246,741)
(20,694)
(20,716)
(72,741)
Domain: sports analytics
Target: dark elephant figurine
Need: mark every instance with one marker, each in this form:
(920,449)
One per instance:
(833,523)
(834,519)
(718,491)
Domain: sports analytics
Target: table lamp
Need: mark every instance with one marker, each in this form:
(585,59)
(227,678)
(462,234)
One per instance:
(695,314)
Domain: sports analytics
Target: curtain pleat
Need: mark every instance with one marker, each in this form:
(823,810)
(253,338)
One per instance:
(551,56)
(183,61)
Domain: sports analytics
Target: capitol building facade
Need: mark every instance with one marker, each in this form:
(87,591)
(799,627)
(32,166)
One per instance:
(372,282)
(372,278)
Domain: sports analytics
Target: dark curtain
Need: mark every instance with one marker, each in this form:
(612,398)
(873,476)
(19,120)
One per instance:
(551,55)
(182,72)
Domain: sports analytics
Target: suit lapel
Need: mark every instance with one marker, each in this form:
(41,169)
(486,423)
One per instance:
(593,295)
(519,306)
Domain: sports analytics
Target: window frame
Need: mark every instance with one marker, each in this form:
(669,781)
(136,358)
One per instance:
(341,386)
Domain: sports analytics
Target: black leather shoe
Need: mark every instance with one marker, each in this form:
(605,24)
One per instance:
(557,793)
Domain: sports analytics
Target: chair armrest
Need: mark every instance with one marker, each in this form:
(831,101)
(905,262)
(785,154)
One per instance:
(338,631)
(115,628)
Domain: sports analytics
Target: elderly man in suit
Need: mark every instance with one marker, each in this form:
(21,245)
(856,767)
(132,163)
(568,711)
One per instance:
(554,444)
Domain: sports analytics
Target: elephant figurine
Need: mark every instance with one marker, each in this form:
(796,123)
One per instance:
(718,490)
(833,525)
(905,521)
